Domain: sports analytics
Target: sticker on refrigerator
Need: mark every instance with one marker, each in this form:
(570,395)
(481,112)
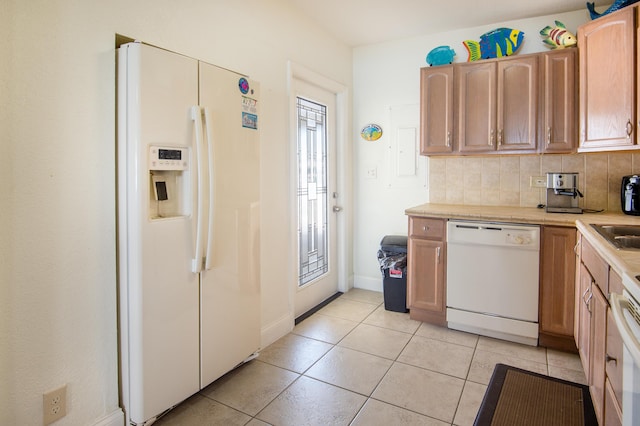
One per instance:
(249,113)
(249,105)
(249,121)
(243,85)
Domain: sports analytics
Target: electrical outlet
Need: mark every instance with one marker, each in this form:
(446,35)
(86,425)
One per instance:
(54,405)
(372,172)
(537,182)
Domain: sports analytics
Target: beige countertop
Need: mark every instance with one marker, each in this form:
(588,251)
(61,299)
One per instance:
(529,215)
(622,261)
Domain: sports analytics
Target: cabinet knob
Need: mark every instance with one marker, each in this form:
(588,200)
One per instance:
(548,135)
(610,358)
(629,128)
(449,139)
(425,228)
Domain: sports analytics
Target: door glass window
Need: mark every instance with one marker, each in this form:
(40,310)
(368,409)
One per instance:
(312,191)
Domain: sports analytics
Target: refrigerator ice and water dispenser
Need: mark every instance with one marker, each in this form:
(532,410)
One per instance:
(168,182)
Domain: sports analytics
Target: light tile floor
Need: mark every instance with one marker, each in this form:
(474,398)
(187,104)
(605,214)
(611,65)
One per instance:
(354,363)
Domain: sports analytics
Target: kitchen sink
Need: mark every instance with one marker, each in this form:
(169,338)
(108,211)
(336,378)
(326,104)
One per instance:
(623,237)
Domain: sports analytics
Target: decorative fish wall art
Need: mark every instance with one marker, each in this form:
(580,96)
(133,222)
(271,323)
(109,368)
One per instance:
(558,37)
(617,5)
(441,55)
(494,44)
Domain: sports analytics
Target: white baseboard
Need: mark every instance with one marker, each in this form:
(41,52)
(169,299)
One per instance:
(272,332)
(115,418)
(368,283)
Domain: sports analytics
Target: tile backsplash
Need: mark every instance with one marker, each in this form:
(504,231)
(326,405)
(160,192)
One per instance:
(505,180)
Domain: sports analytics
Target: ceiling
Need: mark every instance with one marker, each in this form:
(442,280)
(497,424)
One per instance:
(360,22)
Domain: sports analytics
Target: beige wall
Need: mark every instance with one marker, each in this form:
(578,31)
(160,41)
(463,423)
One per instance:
(57,192)
(505,180)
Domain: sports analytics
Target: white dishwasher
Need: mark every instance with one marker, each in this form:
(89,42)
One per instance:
(492,279)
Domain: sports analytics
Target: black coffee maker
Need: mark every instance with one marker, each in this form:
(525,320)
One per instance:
(630,195)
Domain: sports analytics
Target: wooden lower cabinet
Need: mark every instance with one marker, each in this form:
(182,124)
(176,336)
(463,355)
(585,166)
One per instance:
(598,338)
(583,317)
(598,341)
(557,288)
(612,411)
(425,270)
(613,369)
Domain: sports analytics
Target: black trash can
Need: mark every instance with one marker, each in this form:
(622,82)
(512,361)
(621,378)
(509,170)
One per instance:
(392,257)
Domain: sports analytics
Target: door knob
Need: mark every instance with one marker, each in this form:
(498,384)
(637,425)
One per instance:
(337,209)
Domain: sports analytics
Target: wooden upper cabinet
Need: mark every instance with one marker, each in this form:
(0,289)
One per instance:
(559,120)
(517,104)
(608,81)
(476,107)
(497,105)
(436,106)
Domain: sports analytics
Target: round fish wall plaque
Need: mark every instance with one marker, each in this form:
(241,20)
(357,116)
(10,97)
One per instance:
(371,132)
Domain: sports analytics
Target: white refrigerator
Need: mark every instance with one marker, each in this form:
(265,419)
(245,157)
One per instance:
(188,226)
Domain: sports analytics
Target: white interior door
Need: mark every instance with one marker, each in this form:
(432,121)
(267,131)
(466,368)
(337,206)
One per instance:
(315,194)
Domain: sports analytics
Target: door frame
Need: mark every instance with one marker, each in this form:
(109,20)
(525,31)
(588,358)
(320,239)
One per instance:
(343,220)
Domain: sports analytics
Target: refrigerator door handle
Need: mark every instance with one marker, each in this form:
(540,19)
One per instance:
(207,126)
(196,116)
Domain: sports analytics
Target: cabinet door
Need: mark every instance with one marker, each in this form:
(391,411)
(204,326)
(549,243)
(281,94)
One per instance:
(607,81)
(557,283)
(476,107)
(426,276)
(597,352)
(583,312)
(559,111)
(613,358)
(578,300)
(436,110)
(612,411)
(517,104)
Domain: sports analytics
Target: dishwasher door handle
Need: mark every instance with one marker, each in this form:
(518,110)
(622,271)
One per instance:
(491,228)
(479,228)
(468,227)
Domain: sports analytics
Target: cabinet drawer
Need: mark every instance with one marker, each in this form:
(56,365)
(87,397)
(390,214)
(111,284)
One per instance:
(424,227)
(614,357)
(598,268)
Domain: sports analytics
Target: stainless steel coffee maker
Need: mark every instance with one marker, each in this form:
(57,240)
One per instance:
(563,193)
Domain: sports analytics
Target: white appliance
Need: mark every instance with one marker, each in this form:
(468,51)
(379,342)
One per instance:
(626,315)
(492,279)
(188,226)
